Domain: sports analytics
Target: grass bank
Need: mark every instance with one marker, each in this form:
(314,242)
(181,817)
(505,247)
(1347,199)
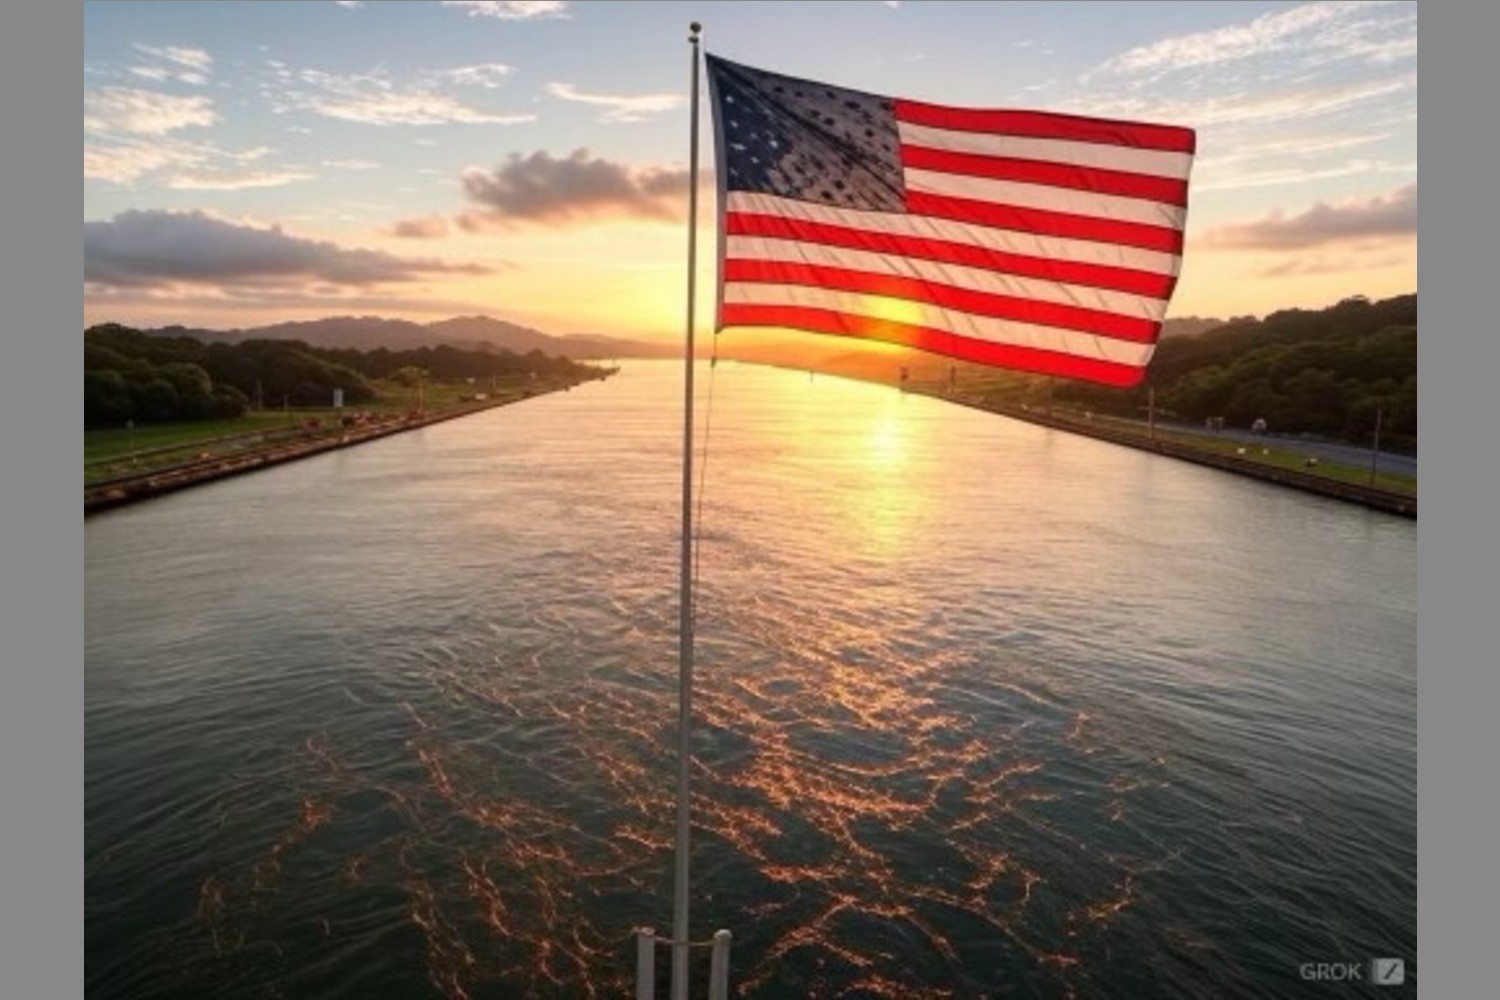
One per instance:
(122,465)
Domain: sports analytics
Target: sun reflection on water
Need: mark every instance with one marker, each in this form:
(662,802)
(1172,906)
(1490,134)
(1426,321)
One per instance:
(902,787)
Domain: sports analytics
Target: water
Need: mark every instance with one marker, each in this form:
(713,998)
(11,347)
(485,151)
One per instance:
(985,710)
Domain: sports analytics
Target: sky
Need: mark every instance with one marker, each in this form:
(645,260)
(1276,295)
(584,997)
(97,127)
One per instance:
(257,162)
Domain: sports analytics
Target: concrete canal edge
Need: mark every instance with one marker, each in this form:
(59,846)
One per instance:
(115,493)
(1377,499)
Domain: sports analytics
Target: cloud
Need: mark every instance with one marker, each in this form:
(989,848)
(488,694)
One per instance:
(171,62)
(1383,217)
(1307,144)
(160,249)
(351,164)
(374,99)
(232,180)
(180,164)
(541,189)
(128,134)
(429,227)
(1302,266)
(350,4)
(156,74)
(1247,108)
(1222,178)
(195,59)
(487,75)
(128,111)
(512,10)
(622,108)
(1325,30)
(124,162)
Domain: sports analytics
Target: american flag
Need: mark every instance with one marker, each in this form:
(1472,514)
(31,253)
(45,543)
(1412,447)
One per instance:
(1041,242)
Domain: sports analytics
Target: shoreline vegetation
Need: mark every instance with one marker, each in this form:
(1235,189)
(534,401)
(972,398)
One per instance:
(1272,459)
(124,466)
(118,473)
(1301,398)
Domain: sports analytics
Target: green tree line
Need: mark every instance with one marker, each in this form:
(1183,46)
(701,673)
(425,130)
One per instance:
(132,375)
(1321,372)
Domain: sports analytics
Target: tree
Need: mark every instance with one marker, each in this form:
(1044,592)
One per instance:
(154,399)
(409,376)
(194,388)
(106,398)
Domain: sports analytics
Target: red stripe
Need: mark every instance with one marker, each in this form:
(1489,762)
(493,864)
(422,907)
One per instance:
(1120,279)
(922,338)
(1040,125)
(1105,324)
(1167,190)
(1045,222)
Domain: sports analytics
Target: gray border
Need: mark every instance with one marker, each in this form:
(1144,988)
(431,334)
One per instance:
(41,605)
(1456,586)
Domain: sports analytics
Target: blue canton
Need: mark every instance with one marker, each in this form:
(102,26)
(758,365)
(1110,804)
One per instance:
(783,136)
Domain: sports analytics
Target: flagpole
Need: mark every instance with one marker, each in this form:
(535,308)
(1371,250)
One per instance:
(685,625)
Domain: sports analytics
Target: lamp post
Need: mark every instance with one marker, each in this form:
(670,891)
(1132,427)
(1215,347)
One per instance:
(1375,449)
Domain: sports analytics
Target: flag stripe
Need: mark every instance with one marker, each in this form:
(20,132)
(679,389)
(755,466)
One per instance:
(1136,135)
(740,225)
(983,352)
(1105,207)
(983,280)
(974,303)
(1113,182)
(1078,154)
(917,230)
(1035,220)
(1045,242)
(1017,333)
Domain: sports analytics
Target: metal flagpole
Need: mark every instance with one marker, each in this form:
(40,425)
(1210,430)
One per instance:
(685,627)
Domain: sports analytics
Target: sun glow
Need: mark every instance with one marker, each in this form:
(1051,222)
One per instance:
(888,310)
(863,445)
(886,446)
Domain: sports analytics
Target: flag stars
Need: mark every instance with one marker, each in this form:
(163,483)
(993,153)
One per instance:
(817,144)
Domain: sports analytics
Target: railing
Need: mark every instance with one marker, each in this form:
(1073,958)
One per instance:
(645,963)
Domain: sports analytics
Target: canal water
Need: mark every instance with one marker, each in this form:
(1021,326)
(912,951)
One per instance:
(984,710)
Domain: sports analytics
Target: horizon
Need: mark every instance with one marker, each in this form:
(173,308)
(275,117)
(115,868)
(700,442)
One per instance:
(526,162)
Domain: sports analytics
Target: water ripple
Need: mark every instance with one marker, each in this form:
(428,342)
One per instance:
(404,724)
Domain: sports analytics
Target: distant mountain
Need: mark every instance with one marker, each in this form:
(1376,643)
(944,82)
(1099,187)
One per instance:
(474,330)
(588,346)
(366,333)
(369,333)
(521,339)
(1191,326)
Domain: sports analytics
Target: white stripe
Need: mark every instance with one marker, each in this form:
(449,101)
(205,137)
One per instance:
(998,331)
(1113,207)
(956,275)
(1157,163)
(921,227)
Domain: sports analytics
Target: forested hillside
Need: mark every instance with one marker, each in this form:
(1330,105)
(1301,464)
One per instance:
(130,375)
(1324,372)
